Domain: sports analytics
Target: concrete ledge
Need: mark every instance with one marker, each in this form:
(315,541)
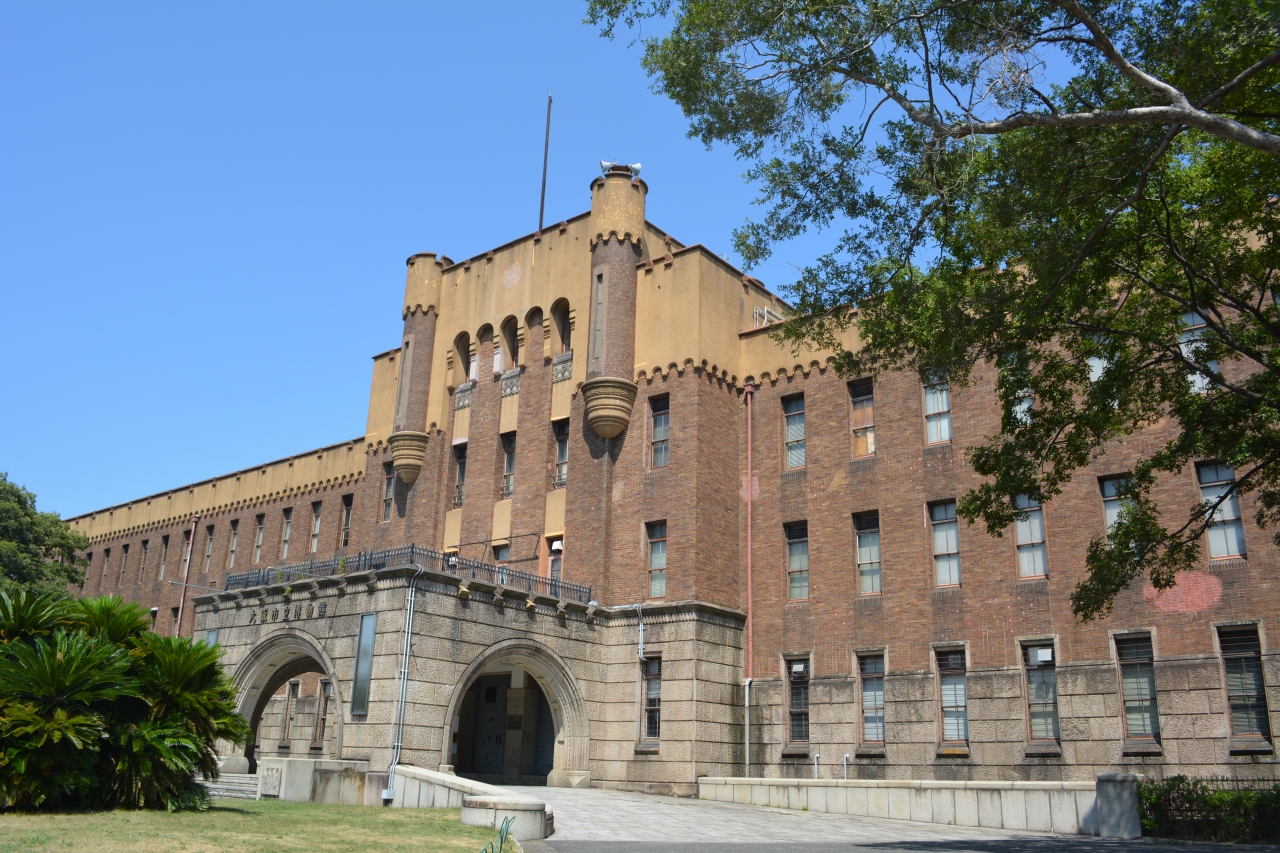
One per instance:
(1069,808)
(481,804)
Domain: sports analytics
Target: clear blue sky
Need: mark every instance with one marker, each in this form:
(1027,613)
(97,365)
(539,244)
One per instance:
(205,210)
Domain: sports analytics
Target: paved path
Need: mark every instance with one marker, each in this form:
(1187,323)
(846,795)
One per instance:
(599,821)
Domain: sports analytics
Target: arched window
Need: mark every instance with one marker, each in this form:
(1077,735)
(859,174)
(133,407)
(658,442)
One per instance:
(510,346)
(560,316)
(462,368)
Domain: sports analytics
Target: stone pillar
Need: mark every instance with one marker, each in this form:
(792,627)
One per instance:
(408,441)
(1117,805)
(617,227)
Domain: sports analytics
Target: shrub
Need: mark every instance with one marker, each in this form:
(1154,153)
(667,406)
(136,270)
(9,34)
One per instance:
(1196,809)
(97,711)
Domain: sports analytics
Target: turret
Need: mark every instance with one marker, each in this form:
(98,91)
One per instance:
(408,441)
(617,228)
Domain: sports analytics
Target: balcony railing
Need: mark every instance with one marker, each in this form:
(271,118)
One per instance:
(412,555)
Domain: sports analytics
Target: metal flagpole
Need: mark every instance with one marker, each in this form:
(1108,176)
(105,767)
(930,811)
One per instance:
(546,147)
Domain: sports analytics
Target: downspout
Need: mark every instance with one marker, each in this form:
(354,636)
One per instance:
(389,793)
(186,568)
(749,391)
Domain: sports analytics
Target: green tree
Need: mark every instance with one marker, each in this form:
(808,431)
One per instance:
(1108,243)
(38,551)
(96,711)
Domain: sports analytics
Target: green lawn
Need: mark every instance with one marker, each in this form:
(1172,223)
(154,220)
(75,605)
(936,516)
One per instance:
(246,826)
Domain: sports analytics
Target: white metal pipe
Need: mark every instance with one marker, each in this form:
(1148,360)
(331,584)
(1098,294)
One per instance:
(816,756)
(747,717)
(846,765)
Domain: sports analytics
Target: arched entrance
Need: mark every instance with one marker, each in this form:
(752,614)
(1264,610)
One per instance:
(518,715)
(276,661)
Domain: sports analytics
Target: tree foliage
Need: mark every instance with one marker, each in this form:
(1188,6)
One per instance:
(96,711)
(1107,243)
(38,551)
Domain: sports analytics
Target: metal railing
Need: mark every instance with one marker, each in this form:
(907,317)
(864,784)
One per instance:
(413,555)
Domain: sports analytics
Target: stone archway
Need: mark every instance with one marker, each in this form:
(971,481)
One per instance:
(571,761)
(282,655)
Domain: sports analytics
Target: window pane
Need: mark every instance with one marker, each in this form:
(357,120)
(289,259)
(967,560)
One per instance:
(661,426)
(798,584)
(1032,561)
(795,454)
(795,427)
(658,553)
(658,583)
(364,664)
(937,398)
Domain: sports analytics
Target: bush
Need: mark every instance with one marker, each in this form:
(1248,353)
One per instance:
(1199,810)
(96,711)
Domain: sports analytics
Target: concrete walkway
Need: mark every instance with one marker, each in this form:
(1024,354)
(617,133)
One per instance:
(600,821)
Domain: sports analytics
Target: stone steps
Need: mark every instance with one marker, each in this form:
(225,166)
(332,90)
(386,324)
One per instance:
(239,786)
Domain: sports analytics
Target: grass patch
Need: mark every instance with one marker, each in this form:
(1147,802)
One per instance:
(245,826)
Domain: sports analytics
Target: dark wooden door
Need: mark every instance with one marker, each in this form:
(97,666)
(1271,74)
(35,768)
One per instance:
(487,747)
(544,744)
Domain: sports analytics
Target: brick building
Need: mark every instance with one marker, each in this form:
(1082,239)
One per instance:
(605,513)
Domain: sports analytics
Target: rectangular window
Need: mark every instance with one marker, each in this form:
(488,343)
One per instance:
(1246,692)
(797,533)
(261,523)
(798,681)
(208,547)
(146,548)
(164,554)
(210,636)
(508,464)
(460,475)
(955,703)
(793,419)
(364,664)
(1033,560)
(106,561)
(657,532)
(388,490)
(285,531)
(231,547)
(1226,530)
(597,321)
(1138,681)
(1192,335)
(864,418)
(186,548)
(652,698)
(315,527)
(661,409)
(344,538)
(501,553)
(560,429)
(946,543)
(1112,503)
(290,709)
(124,558)
(937,411)
(555,551)
(1042,692)
(866,528)
(322,711)
(871,672)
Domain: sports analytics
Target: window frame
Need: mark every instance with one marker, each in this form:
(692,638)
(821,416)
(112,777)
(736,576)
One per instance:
(344,533)
(1263,734)
(660,431)
(651,701)
(1136,660)
(232,543)
(388,490)
(286,531)
(862,391)
(260,522)
(208,549)
(507,484)
(316,508)
(797,533)
(560,436)
(867,673)
(362,677)
(937,417)
(797,446)
(1024,503)
(655,534)
(798,698)
(960,712)
(164,554)
(861,520)
(324,696)
(459,474)
(1030,650)
(934,525)
(1217,520)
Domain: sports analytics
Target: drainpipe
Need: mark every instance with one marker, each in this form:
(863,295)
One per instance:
(749,391)
(640,624)
(186,568)
(389,792)
(816,756)
(846,765)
